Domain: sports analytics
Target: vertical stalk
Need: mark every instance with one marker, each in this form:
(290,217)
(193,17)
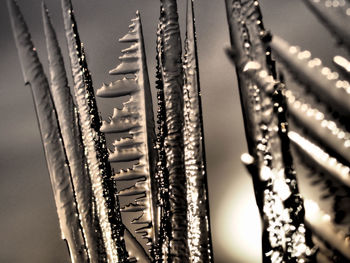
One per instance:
(56,158)
(103,185)
(199,236)
(67,117)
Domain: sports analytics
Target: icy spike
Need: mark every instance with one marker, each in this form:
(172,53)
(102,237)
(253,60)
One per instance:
(121,121)
(125,155)
(133,208)
(136,173)
(137,189)
(118,88)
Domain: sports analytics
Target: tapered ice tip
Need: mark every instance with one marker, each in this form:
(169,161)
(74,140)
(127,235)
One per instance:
(44,8)
(22,37)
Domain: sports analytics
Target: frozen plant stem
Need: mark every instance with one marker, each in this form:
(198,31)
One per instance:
(69,125)
(284,236)
(103,185)
(56,158)
(199,236)
(169,52)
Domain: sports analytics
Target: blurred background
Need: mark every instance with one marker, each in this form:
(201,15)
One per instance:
(29,227)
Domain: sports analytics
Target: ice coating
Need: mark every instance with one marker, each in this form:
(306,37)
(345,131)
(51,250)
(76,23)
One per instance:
(51,137)
(161,248)
(335,15)
(170,68)
(199,236)
(103,185)
(324,83)
(136,118)
(68,119)
(263,105)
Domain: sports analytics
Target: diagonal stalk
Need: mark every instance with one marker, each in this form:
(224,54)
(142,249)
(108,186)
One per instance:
(103,185)
(66,112)
(169,53)
(269,161)
(199,236)
(56,158)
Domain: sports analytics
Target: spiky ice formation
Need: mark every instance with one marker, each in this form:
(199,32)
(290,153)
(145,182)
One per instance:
(324,83)
(56,158)
(335,15)
(100,171)
(136,118)
(199,236)
(175,249)
(270,163)
(68,119)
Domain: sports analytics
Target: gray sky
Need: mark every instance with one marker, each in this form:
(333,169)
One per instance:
(28,221)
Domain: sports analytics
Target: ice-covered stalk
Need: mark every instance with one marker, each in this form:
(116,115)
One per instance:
(270,163)
(160,252)
(199,236)
(169,52)
(101,176)
(60,172)
(136,118)
(68,120)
